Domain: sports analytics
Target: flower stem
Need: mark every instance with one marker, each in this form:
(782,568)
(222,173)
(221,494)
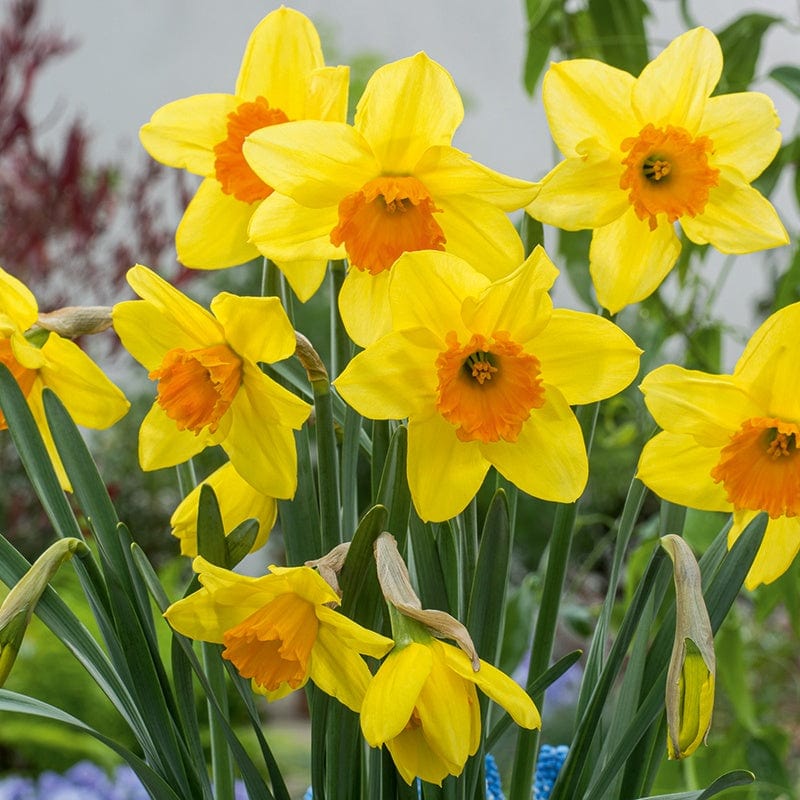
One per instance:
(221,765)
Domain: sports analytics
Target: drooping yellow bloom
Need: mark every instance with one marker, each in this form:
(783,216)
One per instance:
(282,78)
(392,183)
(55,363)
(486,373)
(642,153)
(423,706)
(210,388)
(730,442)
(238,501)
(279,631)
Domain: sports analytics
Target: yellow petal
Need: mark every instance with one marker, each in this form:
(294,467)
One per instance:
(161,444)
(392,379)
(444,473)
(327,94)
(496,685)
(407,107)
(548,460)
(778,549)
(364,306)
(393,692)
(17,301)
(183,133)
(481,234)
(36,406)
(446,171)
(587,99)
(581,192)
(315,163)
(707,407)
(414,758)
(737,218)
(212,233)
(673,88)
(306,583)
(518,303)
(744,130)
(351,635)
(286,232)
(428,288)
(587,357)
(676,468)
(89,396)
(256,327)
(628,261)
(339,671)
(281,52)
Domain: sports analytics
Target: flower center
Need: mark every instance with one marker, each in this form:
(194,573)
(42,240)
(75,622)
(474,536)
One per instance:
(667,172)
(232,171)
(24,376)
(487,387)
(273,645)
(760,469)
(196,387)
(385,218)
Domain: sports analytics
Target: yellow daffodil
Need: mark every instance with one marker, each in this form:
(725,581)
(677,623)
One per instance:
(282,78)
(642,153)
(279,631)
(238,501)
(389,184)
(423,706)
(730,442)
(48,360)
(210,388)
(486,373)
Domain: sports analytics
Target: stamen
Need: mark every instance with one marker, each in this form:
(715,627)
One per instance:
(231,169)
(487,387)
(196,387)
(387,217)
(759,467)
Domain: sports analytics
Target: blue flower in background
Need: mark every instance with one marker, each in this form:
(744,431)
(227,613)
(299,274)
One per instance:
(548,765)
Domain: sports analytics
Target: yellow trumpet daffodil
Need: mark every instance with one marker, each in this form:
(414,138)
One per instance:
(730,442)
(282,77)
(279,630)
(210,388)
(643,153)
(486,373)
(389,184)
(47,360)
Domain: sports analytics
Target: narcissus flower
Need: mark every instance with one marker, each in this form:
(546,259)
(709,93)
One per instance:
(279,631)
(730,442)
(238,501)
(282,78)
(49,360)
(391,183)
(643,153)
(486,373)
(210,388)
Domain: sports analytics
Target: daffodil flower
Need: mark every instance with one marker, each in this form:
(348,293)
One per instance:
(643,153)
(54,363)
(730,442)
(210,388)
(391,183)
(238,501)
(279,631)
(282,78)
(486,374)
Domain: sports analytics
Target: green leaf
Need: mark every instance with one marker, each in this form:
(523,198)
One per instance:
(788,76)
(239,542)
(729,780)
(543,22)
(573,247)
(393,491)
(300,516)
(620,29)
(741,47)
(210,532)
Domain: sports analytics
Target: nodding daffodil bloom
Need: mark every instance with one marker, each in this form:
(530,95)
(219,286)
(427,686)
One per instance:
(730,442)
(423,706)
(47,360)
(642,153)
(391,183)
(238,501)
(282,78)
(486,373)
(210,388)
(279,631)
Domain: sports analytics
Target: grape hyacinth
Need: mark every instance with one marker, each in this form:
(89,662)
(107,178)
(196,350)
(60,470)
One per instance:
(548,766)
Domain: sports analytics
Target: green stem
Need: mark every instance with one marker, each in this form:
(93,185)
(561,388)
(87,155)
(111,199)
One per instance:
(547,620)
(341,347)
(221,764)
(327,465)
